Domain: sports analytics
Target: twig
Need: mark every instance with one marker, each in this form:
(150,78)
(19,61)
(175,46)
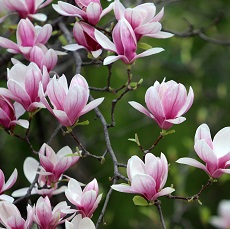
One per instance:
(157,203)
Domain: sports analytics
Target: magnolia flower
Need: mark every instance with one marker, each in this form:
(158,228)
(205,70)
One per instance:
(87,200)
(85,38)
(80,223)
(68,103)
(142,19)
(54,164)
(11,217)
(27,8)
(125,44)
(166,102)
(43,57)
(23,84)
(89,11)
(27,36)
(215,153)
(147,178)
(222,221)
(9,113)
(45,217)
(43,187)
(5,186)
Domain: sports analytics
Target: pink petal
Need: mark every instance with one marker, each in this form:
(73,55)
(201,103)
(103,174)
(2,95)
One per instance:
(44,34)
(62,118)
(91,106)
(93,12)
(11,180)
(203,132)
(163,192)
(192,162)
(6,43)
(140,108)
(123,188)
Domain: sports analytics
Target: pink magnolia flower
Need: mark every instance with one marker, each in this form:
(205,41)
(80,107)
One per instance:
(222,221)
(43,187)
(166,102)
(27,36)
(54,164)
(11,217)
(89,11)
(80,223)
(43,57)
(9,113)
(215,153)
(5,186)
(87,200)
(85,38)
(45,217)
(142,19)
(27,8)
(125,44)
(69,103)
(23,84)
(147,178)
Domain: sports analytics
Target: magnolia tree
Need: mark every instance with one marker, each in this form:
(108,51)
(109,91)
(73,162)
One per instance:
(36,87)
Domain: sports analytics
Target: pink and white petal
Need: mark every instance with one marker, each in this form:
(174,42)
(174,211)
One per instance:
(218,222)
(95,205)
(93,12)
(159,15)
(135,166)
(73,47)
(46,163)
(203,132)
(149,52)
(104,41)
(86,223)
(188,102)
(140,108)
(19,109)
(74,187)
(192,162)
(12,179)
(67,9)
(90,106)
(5,197)
(62,117)
(44,34)
(6,43)
(176,120)
(38,16)
(220,145)
(22,192)
(204,151)
(21,122)
(163,192)
(30,168)
(111,59)
(59,190)
(123,188)
(149,28)
(107,10)
(160,34)
(96,53)
(44,3)
(145,185)
(119,9)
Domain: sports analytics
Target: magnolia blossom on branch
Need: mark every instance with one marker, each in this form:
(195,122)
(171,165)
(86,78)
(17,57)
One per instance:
(27,36)
(124,44)
(27,8)
(85,200)
(68,103)
(166,103)
(215,153)
(146,178)
(142,19)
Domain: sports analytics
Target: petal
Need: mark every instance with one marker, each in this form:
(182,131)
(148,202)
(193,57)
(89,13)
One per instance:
(30,168)
(104,41)
(164,192)
(123,188)
(220,146)
(192,162)
(62,118)
(91,106)
(140,108)
(149,52)
(11,180)
(111,59)
(44,34)
(38,16)
(135,166)
(145,185)
(93,12)
(6,43)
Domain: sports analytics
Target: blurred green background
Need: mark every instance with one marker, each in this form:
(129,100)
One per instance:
(191,61)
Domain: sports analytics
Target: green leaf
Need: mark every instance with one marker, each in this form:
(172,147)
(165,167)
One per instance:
(140,201)
(144,46)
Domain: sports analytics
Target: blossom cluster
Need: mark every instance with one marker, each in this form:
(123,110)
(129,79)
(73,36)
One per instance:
(33,86)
